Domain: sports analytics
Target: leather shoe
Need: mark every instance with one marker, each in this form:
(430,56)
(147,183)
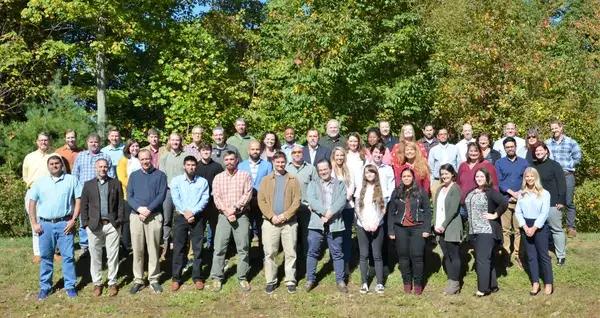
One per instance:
(175,286)
(199,285)
(97,291)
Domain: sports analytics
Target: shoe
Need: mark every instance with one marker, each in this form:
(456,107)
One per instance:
(292,289)
(364,288)
(561,262)
(217,286)
(37,259)
(453,288)
(379,289)
(418,290)
(270,289)
(245,285)
(57,257)
(310,284)
(494,289)
(156,288)
(71,293)
(97,291)
(341,286)
(199,285)
(175,286)
(480,294)
(571,233)
(407,288)
(551,291)
(534,293)
(113,290)
(136,288)
(43,294)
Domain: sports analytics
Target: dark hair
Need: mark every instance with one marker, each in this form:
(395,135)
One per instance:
(205,146)
(324,160)
(279,154)
(488,180)
(229,153)
(413,191)
(484,134)
(539,144)
(128,143)
(70,131)
(379,146)
(450,168)
(377,132)
(54,157)
(476,145)
(190,158)
(507,140)
(277,145)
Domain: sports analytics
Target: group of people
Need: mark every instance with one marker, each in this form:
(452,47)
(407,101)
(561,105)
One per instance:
(140,200)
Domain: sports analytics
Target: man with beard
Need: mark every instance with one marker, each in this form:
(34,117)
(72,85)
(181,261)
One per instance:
(220,146)
(428,139)
(241,139)
(69,151)
(333,138)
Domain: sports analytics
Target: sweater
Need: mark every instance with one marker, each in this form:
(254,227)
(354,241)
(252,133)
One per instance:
(453,225)
(147,189)
(553,180)
(241,144)
(315,201)
(466,176)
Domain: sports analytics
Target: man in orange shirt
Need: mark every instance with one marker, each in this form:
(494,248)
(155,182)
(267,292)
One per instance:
(69,151)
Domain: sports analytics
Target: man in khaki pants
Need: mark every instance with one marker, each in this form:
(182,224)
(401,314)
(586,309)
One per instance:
(279,199)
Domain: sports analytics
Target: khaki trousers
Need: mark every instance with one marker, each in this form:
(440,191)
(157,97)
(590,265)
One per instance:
(142,234)
(272,235)
(105,235)
(509,221)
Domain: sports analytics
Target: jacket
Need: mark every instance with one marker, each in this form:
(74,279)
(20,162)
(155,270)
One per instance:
(292,196)
(420,209)
(315,201)
(264,168)
(322,153)
(453,225)
(90,204)
(497,203)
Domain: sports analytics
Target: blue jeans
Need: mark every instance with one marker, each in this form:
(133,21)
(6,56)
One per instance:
(83,241)
(53,235)
(348,217)
(570,206)
(315,243)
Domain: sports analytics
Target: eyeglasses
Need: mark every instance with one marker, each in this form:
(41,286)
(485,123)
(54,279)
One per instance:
(296,152)
(531,137)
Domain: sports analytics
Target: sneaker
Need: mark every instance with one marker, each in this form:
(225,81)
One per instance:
(156,288)
(199,285)
(97,290)
(136,288)
(571,233)
(217,286)
(379,289)
(341,286)
(175,286)
(310,284)
(71,293)
(43,294)
(245,285)
(292,289)
(364,289)
(270,289)
(561,262)
(113,290)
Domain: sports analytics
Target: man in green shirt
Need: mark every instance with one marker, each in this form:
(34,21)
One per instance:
(241,139)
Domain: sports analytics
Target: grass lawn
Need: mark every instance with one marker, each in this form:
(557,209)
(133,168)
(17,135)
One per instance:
(577,293)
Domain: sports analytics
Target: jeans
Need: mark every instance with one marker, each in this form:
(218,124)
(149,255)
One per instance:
(181,239)
(451,258)
(410,246)
(240,229)
(485,247)
(315,243)
(570,206)
(370,241)
(558,235)
(51,237)
(168,208)
(83,239)
(537,253)
(348,218)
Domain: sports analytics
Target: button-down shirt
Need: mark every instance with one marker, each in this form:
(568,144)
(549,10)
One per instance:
(103,189)
(55,197)
(510,174)
(429,144)
(69,155)
(499,146)
(231,190)
(35,166)
(115,154)
(190,195)
(441,155)
(172,164)
(566,152)
(530,206)
(254,168)
(83,169)
(462,148)
(327,187)
(287,150)
(305,174)
(312,152)
(193,150)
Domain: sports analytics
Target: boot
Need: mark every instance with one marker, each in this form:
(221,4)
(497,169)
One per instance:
(453,288)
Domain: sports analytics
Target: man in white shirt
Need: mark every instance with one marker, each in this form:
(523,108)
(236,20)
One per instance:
(510,130)
(439,155)
(467,133)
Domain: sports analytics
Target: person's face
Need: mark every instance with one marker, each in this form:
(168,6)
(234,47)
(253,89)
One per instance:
(153,140)
(352,143)
(270,141)
(556,129)
(484,142)
(473,154)
(511,149)
(55,166)
(369,175)
(384,128)
(189,167)
(480,178)
(93,145)
(279,165)
(115,138)
(333,128)
(407,178)
(324,171)
(230,162)
(43,143)
(297,155)
(290,136)
(428,132)
(372,138)
(218,136)
(205,154)
(70,139)
(442,135)
(145,160)
(254,151)
(175,142)
(530,179)
(467,132)
(408,133)
(101,168)
(339,157)
(377,155)
(445,176)
(240,127)
(540,153)
(134,149)
(197,135)
(531,140)
(409,153)
(312,138)
(510,130)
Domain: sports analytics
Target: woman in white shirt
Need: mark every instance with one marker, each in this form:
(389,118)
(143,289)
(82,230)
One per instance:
(341,172)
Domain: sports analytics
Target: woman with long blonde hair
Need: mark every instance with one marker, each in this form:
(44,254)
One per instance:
(407,134)
(531,211)
(370,210)
(413,159)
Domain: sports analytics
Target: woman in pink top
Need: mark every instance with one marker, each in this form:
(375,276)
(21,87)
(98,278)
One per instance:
(467,169)
(373,138)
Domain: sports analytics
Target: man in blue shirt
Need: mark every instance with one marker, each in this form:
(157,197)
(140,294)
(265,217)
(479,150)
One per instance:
(115,148)
(190,195)
(53,208)
(510,171)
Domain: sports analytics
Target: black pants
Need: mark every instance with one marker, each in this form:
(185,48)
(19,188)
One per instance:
(410,246)
(125,230)
(370,241)
(485,246)
(537,253)
(451,258)
(181,227)
(256,220)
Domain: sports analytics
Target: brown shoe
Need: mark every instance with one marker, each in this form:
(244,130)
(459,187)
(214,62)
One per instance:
(571,233)
(37,259)
(199,285)
(97,291)
(113,290)
(175,286)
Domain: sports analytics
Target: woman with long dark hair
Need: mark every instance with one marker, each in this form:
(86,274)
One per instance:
(488,153)
(269,145)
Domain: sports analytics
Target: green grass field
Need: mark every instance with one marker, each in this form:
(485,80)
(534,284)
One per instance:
(577,293)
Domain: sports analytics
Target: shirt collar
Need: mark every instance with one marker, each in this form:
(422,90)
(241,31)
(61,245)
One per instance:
(62,177)
(151,170)
(188,181)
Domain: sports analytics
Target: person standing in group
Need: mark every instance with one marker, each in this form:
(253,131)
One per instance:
(370,211)
(190,194)
(194,147)
(428,141)
(327,198)
(449,226)
(102,216)
(314,152)
(290,142)
(126,166)
(84,170)
(209,169)
(553,180)
(409,224)
(510,130)
(414,161)
(356,154)
(69,151)
(532,137)
(467,133)
(114,149)
(232,192)
(146,192)
(566,151)
(489,154)
(407,135)
(55,201)
(279,199)
(385,172)
(241,139)
(531,212)
(443,153)
(220,146)
(154,146)
(333,138)
(269,144)
(386,134)
(510,171)
(171,163)
(467,169)
(373,138)
(485,206)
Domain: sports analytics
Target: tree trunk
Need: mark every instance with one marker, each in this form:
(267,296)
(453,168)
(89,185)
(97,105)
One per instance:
(101,77)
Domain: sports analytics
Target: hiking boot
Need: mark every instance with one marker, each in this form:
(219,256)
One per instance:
(310,284)
(97,290)
(113,290)
(341,286)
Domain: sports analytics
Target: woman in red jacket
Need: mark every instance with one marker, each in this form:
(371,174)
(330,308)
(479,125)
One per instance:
(413,159)
(467,169)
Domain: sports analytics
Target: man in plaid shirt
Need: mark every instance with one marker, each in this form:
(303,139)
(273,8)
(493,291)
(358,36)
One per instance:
(567,153)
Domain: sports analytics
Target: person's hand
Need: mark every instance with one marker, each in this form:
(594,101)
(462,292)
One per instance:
(374,228)
(491,216)
(324,220)
(329,215)
(231,218)
(281,219)
(189,216)
(425,234)
(275,220)
(531,231)
(392,237)
(439,229)
(512,200)
(69,227)
(37,228)
(559,206)
(142,217)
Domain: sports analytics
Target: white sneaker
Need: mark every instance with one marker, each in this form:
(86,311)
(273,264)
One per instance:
(379,289)
(364,289)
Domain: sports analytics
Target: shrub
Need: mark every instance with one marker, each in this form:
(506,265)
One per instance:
(587,201)
(13,219)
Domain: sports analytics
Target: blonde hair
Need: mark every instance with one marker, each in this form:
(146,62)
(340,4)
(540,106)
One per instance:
(377,192)
(420,165)
(343,170)
(537,187)
(402,138)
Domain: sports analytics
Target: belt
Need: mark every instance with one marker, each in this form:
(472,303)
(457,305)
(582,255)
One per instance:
(568,173)
(64,218)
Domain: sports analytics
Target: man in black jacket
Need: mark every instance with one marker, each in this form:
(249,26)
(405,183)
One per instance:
(313,152)
(101,217)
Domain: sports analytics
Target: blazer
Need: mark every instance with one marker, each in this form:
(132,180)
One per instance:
(420,209)
(264,168)
(453,225)
(291,200)
(90,204)
(322,153)
(497,203)
(338,202)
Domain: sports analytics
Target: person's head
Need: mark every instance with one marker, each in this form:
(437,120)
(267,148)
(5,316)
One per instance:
(333,128)
(338,156)
(114,137)
(131,149)
(474,153)
(189,165)
(532,137)
(279,162)
(407,133)
(378,152)
(371,174)
(101,168)
(428,131)
(540,151)
(269,140)
(93,143)
(442,135)
(312,138)
(531,181)
(510,146)
(197,133)
(205,150)
(410,151)
(230,160)
(55,165)
(483,140)
(556,126)
(71,138)
(145,159)
(240,126)
(218,135)
(254,150)
(324,169)
(154,137)
(175,143)
(483,179)
(297,158)
(447,173)
(354,142)
(43,141)
(467,131)
(371,178)
(384,128)
(374,136)
(289,135)
(407,177)
(510,130)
